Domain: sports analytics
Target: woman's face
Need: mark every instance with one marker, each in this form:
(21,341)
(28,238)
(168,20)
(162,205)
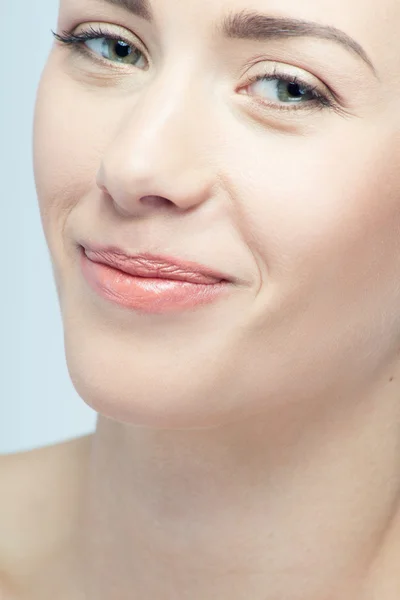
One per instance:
(166,143)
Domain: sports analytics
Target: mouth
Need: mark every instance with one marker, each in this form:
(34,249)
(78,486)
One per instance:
(154,266)
(147,283)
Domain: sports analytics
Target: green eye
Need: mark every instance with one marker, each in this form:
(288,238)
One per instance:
(116,50)
(293,92)
(104,44)
(283,90)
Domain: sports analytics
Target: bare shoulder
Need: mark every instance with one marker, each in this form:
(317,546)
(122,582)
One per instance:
(39,504)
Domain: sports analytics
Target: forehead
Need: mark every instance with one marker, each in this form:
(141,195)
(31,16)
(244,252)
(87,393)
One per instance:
(368,18)
(340,10)
(372,23)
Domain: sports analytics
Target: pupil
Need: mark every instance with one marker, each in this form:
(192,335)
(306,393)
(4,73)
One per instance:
(123,50)
(294,90)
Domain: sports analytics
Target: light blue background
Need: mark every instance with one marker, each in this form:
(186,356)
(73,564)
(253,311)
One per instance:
(38,404)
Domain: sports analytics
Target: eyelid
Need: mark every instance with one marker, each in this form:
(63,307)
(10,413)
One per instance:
(117,31)
(98,31)
(325,98)
(309,78)
(280,69)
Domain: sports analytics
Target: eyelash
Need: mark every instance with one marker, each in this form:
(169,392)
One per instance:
(67,37)
(320,101)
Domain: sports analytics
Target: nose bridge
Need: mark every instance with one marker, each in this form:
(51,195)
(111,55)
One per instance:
(160,138)
(161,113)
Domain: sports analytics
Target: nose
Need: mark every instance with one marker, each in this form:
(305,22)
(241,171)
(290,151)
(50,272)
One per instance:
(157,157)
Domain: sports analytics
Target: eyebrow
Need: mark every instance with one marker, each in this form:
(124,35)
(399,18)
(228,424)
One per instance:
(256,26)
(250,25)
(140,8)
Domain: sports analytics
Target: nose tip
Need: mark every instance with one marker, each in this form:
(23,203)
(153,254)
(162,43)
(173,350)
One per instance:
(154,163)
(150,201)
(137,194)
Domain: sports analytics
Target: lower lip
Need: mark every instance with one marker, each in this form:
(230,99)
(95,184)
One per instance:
(149,295)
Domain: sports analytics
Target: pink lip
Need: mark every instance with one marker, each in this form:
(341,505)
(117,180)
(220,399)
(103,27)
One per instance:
(150,283)
(154,266)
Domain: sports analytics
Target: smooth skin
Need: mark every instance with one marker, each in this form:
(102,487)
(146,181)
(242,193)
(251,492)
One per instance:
(249,449)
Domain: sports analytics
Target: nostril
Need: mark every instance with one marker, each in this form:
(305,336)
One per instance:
(154,201)
(104,189)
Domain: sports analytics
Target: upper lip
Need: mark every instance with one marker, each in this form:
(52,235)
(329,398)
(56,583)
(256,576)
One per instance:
(149,265)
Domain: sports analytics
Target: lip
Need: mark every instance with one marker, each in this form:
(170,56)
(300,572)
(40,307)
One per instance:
(151,284)
(147,265)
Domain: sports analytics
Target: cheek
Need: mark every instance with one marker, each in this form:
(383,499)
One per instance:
(68,145)
(306,202)
(323,224)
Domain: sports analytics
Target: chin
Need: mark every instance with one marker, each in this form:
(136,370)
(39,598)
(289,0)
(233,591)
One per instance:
(157,392)
(155,409)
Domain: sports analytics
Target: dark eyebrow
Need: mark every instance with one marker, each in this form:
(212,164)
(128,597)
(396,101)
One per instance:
(140,8)
(256,26)
(250,25)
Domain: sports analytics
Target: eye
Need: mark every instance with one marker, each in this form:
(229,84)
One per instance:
(285,91)
(108,45)
(288,92)
(117,51)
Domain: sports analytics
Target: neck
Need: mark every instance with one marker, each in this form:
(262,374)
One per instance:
(294,508)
